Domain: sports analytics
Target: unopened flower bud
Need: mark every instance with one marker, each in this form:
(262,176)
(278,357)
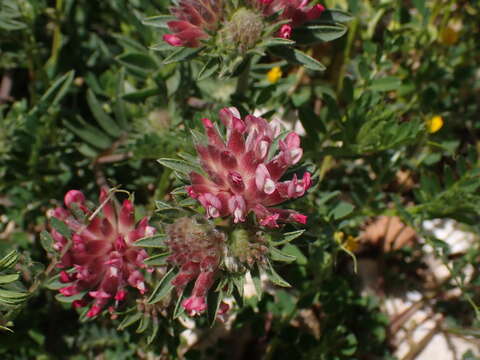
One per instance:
(244,29)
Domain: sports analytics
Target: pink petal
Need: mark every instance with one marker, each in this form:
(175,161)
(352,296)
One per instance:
(315,12)
(173,40)
(237,207)
(69,290)
(126,220)
(107,209)
(94,311)
(213,136)
(236,182)
(285,31)
(74,196)
(263,180)
(302,219)
(228,160)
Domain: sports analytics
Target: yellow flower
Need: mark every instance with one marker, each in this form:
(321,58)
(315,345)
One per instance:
(274,74)
(338,236)
(449,35)
(350,244)
(434,124)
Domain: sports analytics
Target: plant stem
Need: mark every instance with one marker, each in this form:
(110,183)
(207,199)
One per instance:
(242,82)
(346,56)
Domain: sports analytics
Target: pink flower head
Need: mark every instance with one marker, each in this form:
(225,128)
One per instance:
(195,18)
(197,249)
(297,11)
(241,173)
(102,261)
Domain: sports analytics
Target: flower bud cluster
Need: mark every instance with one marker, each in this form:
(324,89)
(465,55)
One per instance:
(243,30)
(246,248)
(242,175)
(198,20)
(100,261)
(197,249)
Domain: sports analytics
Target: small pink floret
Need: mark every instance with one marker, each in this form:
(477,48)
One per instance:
(94,311)
(285,31)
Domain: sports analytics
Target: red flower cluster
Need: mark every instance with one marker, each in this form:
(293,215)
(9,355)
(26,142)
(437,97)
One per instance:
(243,175)
(195,19)
(197,249)
(102,261)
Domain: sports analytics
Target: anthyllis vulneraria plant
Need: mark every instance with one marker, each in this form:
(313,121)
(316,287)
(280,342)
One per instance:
(226,33)
(98,260)
(238,179)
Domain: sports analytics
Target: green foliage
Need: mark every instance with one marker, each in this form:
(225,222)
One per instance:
(90,96)
(12,293)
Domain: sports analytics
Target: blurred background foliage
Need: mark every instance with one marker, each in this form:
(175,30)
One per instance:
(391,125)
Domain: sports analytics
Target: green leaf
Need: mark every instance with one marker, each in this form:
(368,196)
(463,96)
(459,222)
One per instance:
(128,43)
(6,329)
(298,57)
(89,134)
(287,237)
(144,323)
(308,61)
(257,281)
(155,241)
(103,119)
(387,83)
(341,210)
(239,282)
(162,46)
(208,69)
(14,296)
(157,260)
(141,95)
(326,32)
(214,298)
(276,42)
(46,241)
(274,277)
(159,21)
(162,205)
(9,260)
(57,90)
(61,227)
(119,107)
(294,251)
(181,54)
(140,63)
(153,332)
(9,24)
(163,288)
(179,309)
(54,283)
(278,255)
(179,165)
(70,299)
(337,16)
(130,320)
(38,337)
(5,279)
